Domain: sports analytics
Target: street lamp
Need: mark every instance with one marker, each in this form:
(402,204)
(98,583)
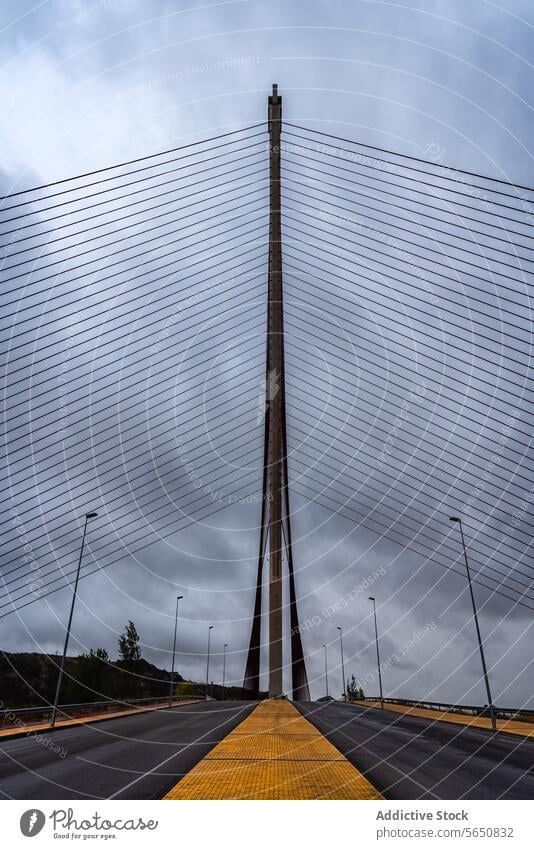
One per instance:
(342,663)
(208,660)
(178,598)
(481,649)
(325,670)
(377,654)
(224,668)
(88,516)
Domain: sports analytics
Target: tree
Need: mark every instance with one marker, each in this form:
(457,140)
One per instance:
(354,692)
(101,654)
(89,679)
(129,648)
(187,688)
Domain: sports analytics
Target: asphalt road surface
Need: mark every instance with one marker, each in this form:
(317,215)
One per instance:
(408,757)
(134,757)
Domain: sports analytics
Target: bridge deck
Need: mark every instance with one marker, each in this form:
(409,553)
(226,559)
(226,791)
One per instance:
(19,730)
(275,753)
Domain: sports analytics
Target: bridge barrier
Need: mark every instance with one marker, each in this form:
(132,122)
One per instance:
(470,710)
(24,716)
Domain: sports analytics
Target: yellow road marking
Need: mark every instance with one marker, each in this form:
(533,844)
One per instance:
(274,754)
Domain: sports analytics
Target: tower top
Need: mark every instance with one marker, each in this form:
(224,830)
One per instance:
(275,106)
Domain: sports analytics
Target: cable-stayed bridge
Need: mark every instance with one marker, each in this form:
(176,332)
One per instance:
(313,320)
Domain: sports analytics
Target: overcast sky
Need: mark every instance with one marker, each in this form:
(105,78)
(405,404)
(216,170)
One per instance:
(86,85)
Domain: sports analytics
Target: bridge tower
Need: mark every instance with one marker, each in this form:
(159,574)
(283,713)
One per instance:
(275,524)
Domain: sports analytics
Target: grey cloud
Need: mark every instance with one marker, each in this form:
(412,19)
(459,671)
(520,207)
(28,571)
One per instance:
(111,90)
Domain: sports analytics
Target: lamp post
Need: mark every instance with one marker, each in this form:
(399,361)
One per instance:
(178,598)
(325,670)
(224,668)
(342,663)
(457,520)
(210,629)
(88,516)
(377,655)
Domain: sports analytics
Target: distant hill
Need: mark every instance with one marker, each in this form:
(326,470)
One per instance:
(28,679)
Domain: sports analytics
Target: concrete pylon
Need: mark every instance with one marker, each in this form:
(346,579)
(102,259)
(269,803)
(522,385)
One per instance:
(275,502)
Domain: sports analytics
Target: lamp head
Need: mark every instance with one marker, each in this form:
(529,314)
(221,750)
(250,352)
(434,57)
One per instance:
(454,519)
(92,515)
(371,598)
(178,597)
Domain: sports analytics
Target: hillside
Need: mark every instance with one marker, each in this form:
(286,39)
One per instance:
(28,679)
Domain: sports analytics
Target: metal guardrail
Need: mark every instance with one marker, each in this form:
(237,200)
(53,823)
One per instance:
(20,716)
(471,710)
